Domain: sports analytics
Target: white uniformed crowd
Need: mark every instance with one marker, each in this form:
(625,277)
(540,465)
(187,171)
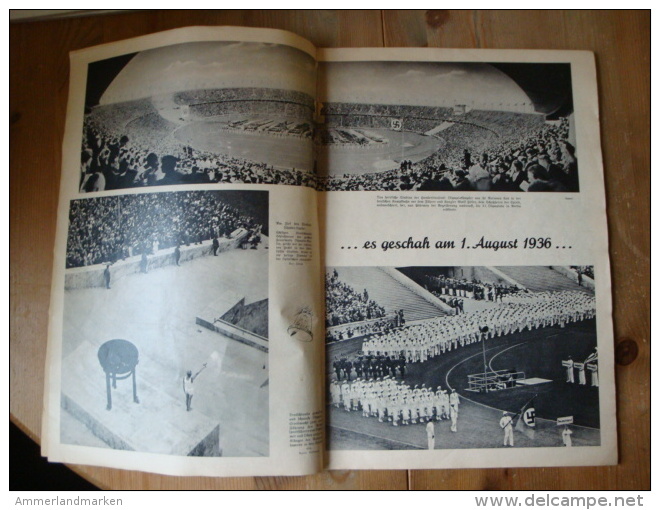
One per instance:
(425,340)
(393,401)
(380,395)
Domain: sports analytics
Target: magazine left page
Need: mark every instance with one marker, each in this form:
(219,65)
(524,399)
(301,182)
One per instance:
(184,328)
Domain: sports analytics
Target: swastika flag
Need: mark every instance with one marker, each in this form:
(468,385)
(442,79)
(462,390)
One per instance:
(527,420)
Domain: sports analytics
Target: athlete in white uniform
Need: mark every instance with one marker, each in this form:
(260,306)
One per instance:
(430,435)
(570,374)
(454,401)
(593,359)
(188,386)
(506,423)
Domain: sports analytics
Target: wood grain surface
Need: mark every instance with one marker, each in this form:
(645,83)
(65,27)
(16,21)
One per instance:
(621,41)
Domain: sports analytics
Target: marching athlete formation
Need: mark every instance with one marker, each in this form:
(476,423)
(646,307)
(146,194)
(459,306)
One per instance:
(394,402)
(378,394)
(370,366)
(424,340)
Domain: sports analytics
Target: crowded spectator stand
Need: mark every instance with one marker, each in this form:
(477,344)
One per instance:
(110,229)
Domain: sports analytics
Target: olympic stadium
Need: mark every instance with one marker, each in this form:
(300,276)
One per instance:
(501,337)
(229,112)
(222,112)
(414,125)
(158,285)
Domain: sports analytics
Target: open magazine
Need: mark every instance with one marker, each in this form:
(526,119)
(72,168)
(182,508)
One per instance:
(276,259)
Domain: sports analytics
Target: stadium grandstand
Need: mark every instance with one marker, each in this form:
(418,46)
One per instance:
(439,126)
(247,134)
(108,229)
(434,148)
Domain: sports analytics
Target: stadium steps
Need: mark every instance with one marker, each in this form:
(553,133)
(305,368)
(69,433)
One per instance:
(540,278)
(438,128)
(388,293)
(160,422)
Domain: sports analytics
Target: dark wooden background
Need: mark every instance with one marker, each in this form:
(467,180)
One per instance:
(39,70)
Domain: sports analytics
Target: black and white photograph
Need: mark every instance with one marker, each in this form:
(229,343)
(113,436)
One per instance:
(461,357)
(203,112)
(446,126)
(165,325)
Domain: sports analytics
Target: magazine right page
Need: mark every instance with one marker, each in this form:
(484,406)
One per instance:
(468,296)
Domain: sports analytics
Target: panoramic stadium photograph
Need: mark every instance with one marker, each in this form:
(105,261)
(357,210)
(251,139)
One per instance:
(165,327)
(204,112)
(441,126)
(461,357)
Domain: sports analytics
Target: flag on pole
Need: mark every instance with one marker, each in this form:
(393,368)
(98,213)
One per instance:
(527,419)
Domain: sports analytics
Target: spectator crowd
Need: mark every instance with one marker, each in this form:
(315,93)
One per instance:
(131,144)
(482,151)
(585,270)
(345,305)
(114,228)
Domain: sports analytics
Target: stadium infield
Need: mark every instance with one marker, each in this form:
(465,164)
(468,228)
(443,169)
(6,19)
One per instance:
(337,160)
(538,353)
(290,152)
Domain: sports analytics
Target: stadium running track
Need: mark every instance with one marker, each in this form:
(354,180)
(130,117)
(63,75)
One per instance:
(538,353)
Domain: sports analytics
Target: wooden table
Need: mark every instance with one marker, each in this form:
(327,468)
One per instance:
(621,40)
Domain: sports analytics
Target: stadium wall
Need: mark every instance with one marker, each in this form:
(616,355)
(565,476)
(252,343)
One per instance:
(95,426)
(92,276)
(253,317)
(235,333)
(483,274)
(209,446)
(333,331)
